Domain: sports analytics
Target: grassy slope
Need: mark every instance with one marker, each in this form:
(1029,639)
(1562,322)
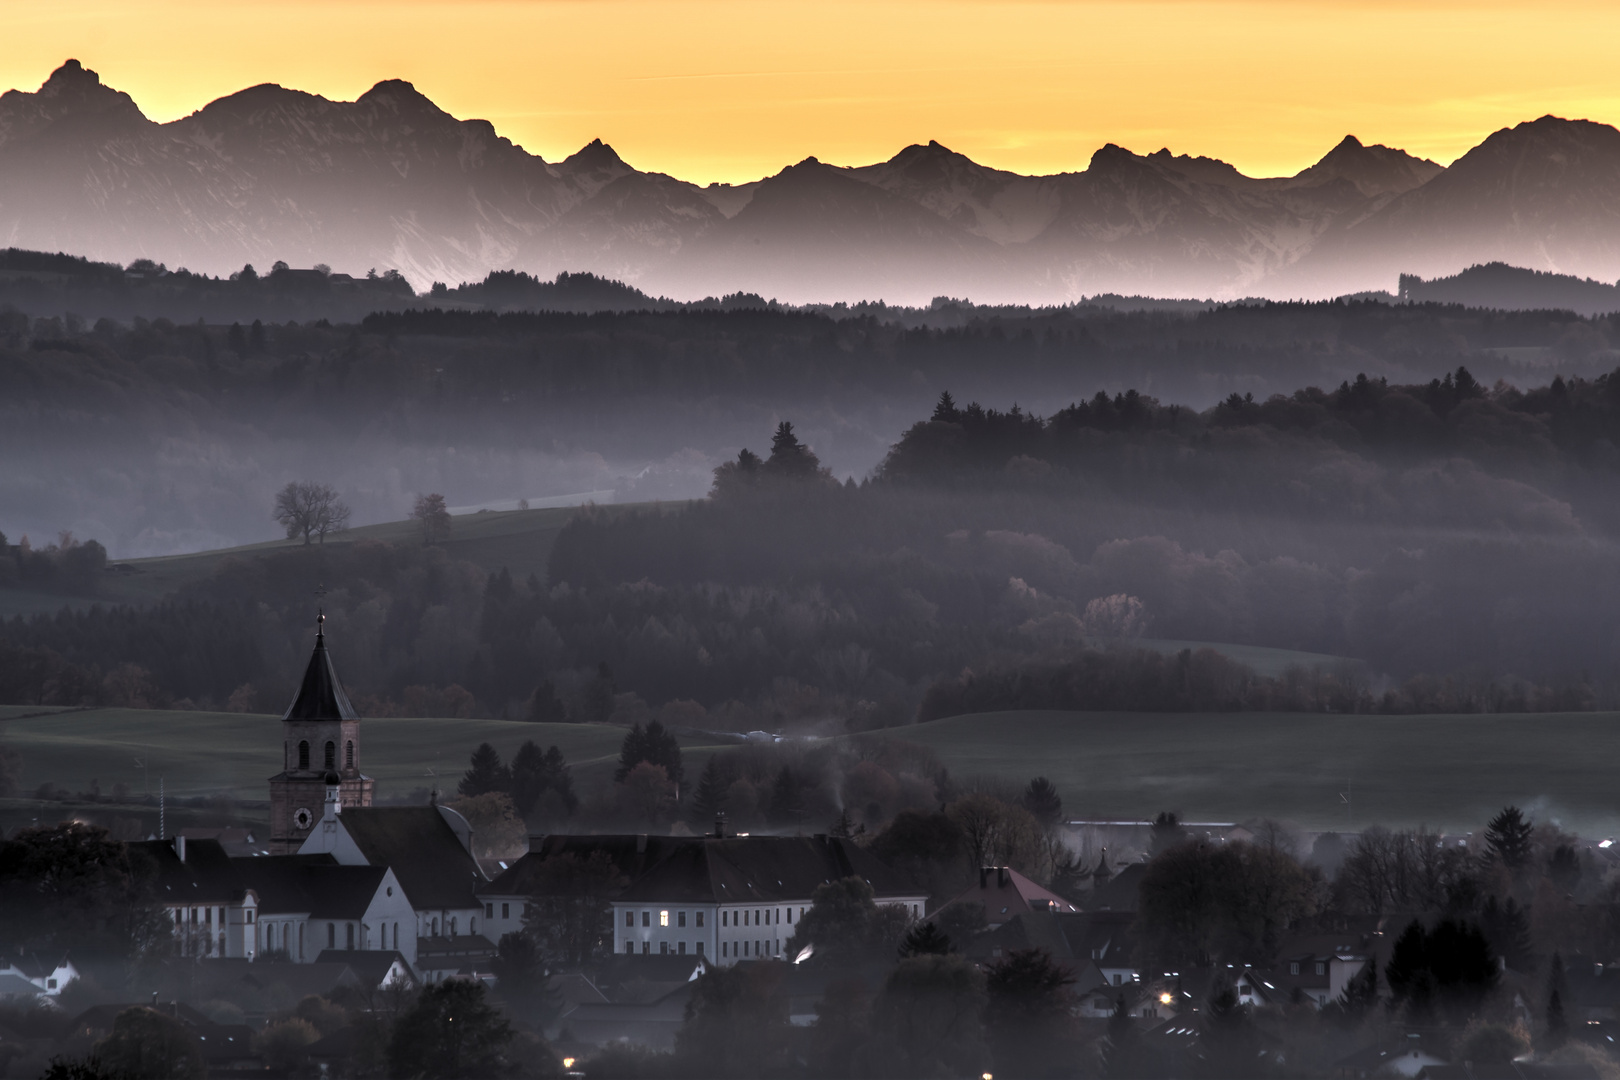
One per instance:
(1447,771)
(519,540)
(235,753)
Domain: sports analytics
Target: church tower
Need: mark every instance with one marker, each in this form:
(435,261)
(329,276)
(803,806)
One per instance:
(320,736)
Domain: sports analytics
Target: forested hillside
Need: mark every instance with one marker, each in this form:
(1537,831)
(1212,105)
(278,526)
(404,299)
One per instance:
(995,560)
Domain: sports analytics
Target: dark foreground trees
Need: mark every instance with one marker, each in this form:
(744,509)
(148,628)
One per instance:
(451,1033)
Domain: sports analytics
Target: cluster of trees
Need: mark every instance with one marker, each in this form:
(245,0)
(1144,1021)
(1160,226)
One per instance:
(37,281)
(64,566)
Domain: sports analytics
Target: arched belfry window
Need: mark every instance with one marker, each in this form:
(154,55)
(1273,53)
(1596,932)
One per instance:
(303,756)
(331,755)
(348,754)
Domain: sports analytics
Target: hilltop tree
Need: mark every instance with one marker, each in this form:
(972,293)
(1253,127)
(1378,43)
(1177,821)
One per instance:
(431,511)
(1041,799)
(308,509)
(708,801)
(789,457)
(535,774)
(486,774)
(653,745)
(1510,838)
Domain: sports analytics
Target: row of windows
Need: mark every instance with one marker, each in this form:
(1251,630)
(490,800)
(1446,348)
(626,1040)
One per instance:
(663,948)
(452,926)
(741,948)
(506,912)
(757,917)
(331,755)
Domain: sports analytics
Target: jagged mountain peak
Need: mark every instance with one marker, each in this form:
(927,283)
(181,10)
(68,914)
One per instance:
(402,97)
(73,102)
(595,155)
(1375,170)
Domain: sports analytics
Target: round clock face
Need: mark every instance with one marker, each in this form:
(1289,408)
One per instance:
(302,817)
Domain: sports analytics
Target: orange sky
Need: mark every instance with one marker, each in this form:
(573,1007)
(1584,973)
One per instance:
(734,89)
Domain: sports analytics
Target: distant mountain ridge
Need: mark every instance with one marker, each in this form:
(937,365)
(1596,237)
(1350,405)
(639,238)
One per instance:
(392,181)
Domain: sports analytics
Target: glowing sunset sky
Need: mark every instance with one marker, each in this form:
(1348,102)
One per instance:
(735,89)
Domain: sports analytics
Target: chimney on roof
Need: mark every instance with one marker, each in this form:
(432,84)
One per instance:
(180,850)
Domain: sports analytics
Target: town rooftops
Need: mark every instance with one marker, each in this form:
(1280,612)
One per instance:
(713,870)
(191,872)
(1005,893)
(315,885)
(425,852)
(320,696)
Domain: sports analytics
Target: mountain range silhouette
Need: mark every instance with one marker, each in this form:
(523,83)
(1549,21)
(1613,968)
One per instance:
(393,181)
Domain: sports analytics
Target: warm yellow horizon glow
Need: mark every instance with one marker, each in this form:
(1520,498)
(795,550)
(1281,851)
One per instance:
(732,90)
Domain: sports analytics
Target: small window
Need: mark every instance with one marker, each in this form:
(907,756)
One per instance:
(1293,967)
(725,949)
(646,947)
(506,911)
(349,928)
(453,927)
(629,918)
(700,918)
(629,948)
(250,917)
(681,948)
(663,948)
(646,918)
(331,935)
(472,925)
(663,918)
(489,910)
(700,948)
(1321,967)
(680,918)
(724,918)
(790,916)
(303,756)
(50,984)
(331,755)
(348,754)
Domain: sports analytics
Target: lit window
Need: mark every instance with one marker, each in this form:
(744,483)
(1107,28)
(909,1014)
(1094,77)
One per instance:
(663,918)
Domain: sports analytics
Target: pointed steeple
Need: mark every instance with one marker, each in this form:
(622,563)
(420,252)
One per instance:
(320,696)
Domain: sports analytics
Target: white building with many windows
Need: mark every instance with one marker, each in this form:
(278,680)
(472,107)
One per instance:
(722,898)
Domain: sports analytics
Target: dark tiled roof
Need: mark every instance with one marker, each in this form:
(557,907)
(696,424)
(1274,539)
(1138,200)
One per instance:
(1005,892)
(316,884)
(1119,894)
(424,852)
(206,877)
(474,945)
(703,870)
(371,965)
(632,855)
(320,695)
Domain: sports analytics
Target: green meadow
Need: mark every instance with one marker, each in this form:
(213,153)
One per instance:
(1449,772)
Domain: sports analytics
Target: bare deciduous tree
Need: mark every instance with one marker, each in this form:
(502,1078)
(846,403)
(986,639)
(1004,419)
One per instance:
(308,509)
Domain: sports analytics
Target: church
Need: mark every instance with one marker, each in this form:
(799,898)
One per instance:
(320,741)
